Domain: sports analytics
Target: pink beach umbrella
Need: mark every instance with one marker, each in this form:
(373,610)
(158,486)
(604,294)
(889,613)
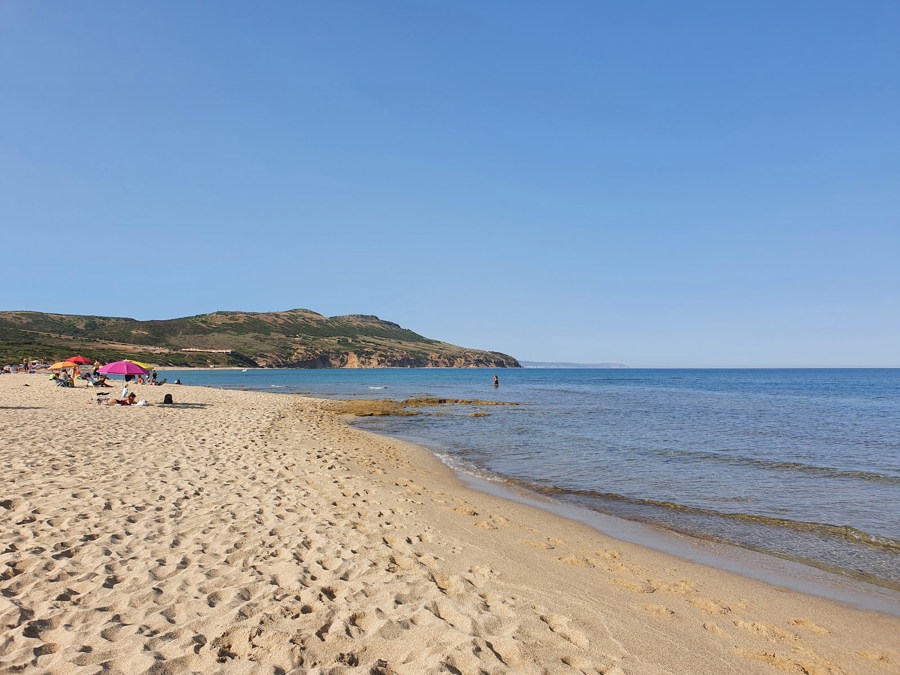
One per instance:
(123,368)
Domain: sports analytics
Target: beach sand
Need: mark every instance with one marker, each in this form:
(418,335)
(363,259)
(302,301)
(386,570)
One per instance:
(245,532)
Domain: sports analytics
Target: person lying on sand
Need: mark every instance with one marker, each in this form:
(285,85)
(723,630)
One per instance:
(128,400)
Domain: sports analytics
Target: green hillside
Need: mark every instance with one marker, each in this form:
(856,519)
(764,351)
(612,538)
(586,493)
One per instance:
(296,338)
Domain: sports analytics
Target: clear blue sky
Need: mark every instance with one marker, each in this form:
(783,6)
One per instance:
(654,183)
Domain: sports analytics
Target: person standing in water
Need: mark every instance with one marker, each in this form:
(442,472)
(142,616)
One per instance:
(496,381)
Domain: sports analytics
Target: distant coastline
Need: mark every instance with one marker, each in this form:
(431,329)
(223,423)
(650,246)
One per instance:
(565,364)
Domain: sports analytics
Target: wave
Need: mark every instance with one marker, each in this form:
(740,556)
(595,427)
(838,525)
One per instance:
(782,465)
(844,532)
(461,466)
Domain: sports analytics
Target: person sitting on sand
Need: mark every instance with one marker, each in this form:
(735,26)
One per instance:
(95,380)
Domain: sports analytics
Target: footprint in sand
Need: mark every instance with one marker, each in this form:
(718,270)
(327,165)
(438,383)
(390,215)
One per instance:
(659,610)
(878,657)
(402,562)
(608,554)
(683,587)
(582,665)
(114,632)
(809,625)
(35,629)
(448,584)
(499,605)
(494,523)
(427,560)
(575,561)
(709,606)
(446,611)
(560,625)
(765,630)
(788,664)
(545,545)
(636,586)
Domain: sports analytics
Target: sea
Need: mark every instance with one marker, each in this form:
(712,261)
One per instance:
(799,465)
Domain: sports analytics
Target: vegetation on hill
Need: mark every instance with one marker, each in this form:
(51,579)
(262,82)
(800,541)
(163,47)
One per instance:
(296,338)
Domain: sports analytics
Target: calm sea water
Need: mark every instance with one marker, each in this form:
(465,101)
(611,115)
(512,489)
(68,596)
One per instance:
(800,464)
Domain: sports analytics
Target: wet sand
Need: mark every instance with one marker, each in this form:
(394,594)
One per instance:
(252,532)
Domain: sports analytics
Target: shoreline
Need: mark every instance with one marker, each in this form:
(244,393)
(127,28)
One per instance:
(791,575)
(787,573)
(252,530)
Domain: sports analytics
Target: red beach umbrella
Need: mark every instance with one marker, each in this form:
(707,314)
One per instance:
(80,360)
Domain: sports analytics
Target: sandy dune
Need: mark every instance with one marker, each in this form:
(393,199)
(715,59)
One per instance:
(247,532)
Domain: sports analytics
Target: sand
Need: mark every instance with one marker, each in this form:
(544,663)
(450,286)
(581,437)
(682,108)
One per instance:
(244,532)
